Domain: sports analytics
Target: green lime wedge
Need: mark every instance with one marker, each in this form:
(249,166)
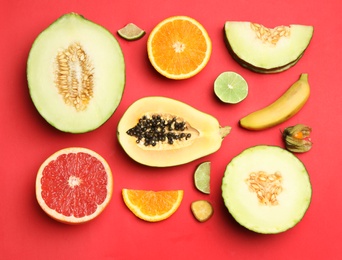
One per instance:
(230,87)
(131,32)
(202,177)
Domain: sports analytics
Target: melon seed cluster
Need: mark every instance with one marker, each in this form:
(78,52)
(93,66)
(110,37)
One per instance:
(266,186)
(154,129)
(270,35)
(75,76)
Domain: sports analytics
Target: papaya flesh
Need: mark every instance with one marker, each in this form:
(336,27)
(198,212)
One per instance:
(162,132)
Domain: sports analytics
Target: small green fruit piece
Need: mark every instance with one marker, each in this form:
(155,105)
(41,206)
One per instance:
(266,189)
(202,177)
(131,32)
(202,210)
(230,87)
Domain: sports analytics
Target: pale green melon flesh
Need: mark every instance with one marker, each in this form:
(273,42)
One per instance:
(243,203)
(107,61)
(263,57)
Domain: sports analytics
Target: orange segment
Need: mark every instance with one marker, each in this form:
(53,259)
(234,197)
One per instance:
(179,47)
(74,185)
(152,206)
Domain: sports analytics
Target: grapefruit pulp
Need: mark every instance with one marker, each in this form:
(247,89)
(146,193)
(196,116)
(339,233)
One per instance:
(74,185)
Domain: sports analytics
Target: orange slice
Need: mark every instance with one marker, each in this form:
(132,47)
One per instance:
(179,47)
(74,185)
(152,206)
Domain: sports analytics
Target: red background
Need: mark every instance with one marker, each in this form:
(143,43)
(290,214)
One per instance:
(27,140)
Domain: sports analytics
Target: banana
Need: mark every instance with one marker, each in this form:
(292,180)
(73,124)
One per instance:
(280,110)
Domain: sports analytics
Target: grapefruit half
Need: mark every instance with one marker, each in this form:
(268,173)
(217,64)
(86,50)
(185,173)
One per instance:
(74,185)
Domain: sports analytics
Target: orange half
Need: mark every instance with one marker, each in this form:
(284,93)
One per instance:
(152,206)
(179,47)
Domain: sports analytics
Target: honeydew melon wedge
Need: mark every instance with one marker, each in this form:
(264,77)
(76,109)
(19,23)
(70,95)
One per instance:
(76,74)
(266,189)
(267,50)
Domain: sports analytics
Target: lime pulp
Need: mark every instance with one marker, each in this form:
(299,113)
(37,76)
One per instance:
(202,177)
(131,32)
(230,87)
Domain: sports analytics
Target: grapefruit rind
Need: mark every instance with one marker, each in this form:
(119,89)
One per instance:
(71,219)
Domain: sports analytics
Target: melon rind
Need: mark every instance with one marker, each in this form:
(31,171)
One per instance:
(109,75)
(252,53)
(243,204)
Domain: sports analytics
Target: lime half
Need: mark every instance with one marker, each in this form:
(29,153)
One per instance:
(230,87)
(202,177)
(131,32)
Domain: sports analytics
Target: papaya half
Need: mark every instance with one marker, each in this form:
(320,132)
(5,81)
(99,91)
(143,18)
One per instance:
(161,132)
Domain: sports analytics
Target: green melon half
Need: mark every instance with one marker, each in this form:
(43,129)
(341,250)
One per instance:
(257,213)
(266,50)
(76,74)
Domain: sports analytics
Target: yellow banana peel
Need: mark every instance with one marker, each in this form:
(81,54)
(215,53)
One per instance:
(280,110)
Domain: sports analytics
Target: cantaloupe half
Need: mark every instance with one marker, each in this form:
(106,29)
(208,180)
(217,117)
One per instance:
(76,74)
(266,189)
(267,50)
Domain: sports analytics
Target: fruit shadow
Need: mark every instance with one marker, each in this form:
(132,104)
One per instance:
(43,219)
(152,70)
(244,233)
